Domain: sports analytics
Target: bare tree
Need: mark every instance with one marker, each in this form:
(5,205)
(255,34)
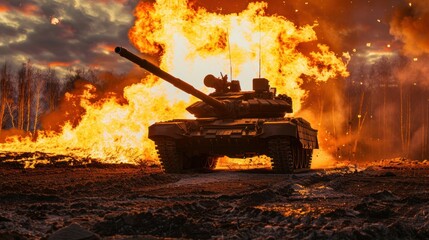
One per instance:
(25,77)
(405,118)
(38,86)
(361,121)
(29,93)
(425,125)
(21,96)
(5,92)
(53,89)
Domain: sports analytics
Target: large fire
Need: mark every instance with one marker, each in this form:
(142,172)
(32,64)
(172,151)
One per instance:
(190,44)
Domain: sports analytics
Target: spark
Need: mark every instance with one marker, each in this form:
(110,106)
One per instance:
(55,21)
(368,44)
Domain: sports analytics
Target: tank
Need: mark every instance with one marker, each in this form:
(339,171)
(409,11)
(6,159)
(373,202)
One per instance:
(230,122)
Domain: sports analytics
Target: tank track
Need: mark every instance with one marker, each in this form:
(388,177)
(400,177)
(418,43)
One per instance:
(171,160)
(288,157)
(174,161)
(310,158)
(281,155)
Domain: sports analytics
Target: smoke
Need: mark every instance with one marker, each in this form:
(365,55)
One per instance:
(414,72)
(410,25)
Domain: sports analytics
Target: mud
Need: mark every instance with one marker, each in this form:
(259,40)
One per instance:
(383,200)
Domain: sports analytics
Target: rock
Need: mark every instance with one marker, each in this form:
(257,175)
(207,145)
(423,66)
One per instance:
(283,189)
(12,236)
(73,232)
(387,174)
(384,195)
(257,198)
(341,213)
(3,219)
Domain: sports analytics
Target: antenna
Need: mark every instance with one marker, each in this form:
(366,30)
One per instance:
(230,59)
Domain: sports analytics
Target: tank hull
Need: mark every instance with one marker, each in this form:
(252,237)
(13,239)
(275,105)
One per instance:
(195,144)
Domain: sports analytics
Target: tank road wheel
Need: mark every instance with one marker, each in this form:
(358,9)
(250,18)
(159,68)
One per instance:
(210,163)
(309,157)
(171,159)
(288,156)
(302,157)
(282,156)
(203,162)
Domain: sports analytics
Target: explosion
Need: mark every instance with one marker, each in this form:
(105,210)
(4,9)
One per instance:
(190,43)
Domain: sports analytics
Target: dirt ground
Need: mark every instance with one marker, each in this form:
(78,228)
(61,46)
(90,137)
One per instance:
(383,200)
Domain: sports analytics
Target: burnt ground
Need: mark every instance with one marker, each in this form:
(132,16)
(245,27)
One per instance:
(384,200)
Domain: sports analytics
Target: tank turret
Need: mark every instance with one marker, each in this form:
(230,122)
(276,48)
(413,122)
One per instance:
(228,101)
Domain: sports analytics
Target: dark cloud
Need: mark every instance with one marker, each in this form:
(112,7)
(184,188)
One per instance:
(84,32)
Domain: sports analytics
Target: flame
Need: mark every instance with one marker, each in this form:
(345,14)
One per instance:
(190,43)
(108,131)
(194,43)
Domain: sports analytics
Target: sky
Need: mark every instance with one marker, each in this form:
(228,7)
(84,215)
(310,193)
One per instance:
(65,34)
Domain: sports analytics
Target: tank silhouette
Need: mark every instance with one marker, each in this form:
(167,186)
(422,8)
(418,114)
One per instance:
(230,122)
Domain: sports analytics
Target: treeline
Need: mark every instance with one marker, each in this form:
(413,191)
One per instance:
(29,94)
(387,104)
(26,94)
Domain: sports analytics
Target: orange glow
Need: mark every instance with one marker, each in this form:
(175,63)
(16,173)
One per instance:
(61,64)
(191,44)
(29,9)
(4,8)
(104,48)
(110,1)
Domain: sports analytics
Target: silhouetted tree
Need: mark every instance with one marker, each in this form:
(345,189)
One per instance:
(5,92)
(53,89)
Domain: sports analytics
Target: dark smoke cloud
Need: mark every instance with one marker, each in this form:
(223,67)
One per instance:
(410,25)
(86,32)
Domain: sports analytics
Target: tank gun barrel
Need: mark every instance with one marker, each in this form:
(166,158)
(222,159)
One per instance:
(184,86)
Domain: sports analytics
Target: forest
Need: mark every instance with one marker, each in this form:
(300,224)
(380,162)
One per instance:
(27,94)
(387,109)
